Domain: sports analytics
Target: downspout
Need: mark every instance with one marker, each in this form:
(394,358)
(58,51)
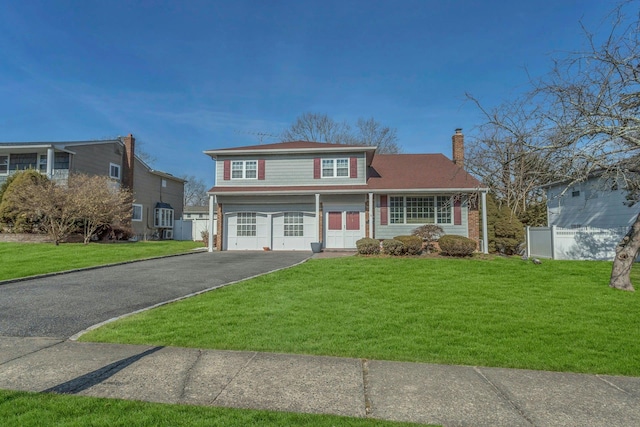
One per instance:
(485,234)
(210,225)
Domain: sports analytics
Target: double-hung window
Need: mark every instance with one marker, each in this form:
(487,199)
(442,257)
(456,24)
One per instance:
(244,169)
(114,171)
(335,168)
(420,210)
(137,213)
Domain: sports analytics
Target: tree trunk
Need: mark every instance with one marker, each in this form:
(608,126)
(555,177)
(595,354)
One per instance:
(626,253)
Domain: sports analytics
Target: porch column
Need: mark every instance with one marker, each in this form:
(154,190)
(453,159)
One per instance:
(317,218)
(210,225)
(371,209)
(50,160)
(485,234)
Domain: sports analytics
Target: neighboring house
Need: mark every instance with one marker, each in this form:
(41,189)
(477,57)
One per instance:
(285,196)
(195,212)
(158,196)
(596,202)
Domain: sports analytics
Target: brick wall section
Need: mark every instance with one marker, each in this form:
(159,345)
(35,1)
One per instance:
(474,224)
(366,217)
(219,227)
(320,223)
(458,148)
(128,161)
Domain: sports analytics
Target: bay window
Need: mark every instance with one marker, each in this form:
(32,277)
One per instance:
(420,210)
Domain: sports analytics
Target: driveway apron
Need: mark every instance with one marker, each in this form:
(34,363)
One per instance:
(62,305)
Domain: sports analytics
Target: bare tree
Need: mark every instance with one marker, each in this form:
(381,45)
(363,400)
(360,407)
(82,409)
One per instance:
(321,128)
(195,191)
(47,201)
(99,202)
(501,155)
(587,116)
(371,132)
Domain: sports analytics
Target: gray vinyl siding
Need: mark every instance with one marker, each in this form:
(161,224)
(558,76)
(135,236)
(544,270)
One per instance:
(94,159)
(267,209)
(596,205)
(291,169)
(265,200)
(391,230)
(148,191)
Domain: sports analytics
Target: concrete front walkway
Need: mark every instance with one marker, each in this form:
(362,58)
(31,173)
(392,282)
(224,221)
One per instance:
(424,393)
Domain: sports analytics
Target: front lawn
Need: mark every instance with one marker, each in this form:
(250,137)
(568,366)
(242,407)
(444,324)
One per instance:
(31,409)
(558,316)
(28,259)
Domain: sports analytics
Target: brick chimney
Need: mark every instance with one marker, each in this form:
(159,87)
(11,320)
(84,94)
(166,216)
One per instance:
(458,148)
(128,161)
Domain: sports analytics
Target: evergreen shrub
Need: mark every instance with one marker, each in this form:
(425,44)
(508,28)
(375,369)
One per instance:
(393,247)
(368,246)
(412,244)
(453,245)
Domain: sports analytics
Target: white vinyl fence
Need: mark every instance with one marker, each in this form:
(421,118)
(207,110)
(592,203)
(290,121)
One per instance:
(573,243)
(190,229)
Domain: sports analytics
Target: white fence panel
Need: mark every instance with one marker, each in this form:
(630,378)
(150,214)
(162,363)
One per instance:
(182,230)
(573,243)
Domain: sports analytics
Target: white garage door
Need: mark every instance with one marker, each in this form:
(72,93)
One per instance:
(293,231)
(248,231)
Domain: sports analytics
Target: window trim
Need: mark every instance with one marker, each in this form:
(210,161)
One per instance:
(133,212)
(243,170)
(334,161)
(118,168)
(7,164)
(438,212)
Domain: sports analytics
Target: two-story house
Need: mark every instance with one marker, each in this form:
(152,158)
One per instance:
(596,202)
(158,196)
(285,196)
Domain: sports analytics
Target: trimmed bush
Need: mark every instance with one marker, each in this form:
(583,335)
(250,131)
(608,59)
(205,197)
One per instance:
(368,246)
(393,247)
(412,244)
(429,233)
(453,245)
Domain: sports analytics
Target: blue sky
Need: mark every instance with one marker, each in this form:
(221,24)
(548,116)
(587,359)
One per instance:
(186,76)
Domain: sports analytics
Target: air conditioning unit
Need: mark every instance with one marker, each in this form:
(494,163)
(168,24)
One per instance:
(167,234)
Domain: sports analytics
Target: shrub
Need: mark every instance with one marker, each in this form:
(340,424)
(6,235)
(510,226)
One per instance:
(412,244)
(368,246)
(429,233)
(393,247)
(453,245)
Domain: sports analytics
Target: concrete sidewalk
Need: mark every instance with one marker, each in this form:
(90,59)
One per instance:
(423,393)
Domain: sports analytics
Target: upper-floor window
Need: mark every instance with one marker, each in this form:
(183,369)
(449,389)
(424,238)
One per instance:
(244,169)
(420,210)
(335,168)
(114,171)
(4,165)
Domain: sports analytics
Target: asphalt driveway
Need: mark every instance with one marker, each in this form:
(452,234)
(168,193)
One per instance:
(63,305)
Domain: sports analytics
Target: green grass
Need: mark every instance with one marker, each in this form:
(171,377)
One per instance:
(32,409)
(28,259)
(558,316)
